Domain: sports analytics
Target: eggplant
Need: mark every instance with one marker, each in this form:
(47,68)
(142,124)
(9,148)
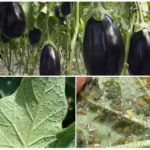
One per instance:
(66,8)
(103,47)
(49,61)
(139,53)
(12,19)
(62,11)
(57,13)
(34,36)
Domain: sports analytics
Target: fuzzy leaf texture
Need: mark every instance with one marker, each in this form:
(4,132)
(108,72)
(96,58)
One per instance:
(33,115)
(115,113)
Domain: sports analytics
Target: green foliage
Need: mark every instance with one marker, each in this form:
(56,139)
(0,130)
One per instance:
(32,116)
(65,138)
(114,113)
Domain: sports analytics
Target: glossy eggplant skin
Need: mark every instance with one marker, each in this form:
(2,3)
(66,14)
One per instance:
(49,61)
(103,48)
(12,19)
(34,36)
(139,53)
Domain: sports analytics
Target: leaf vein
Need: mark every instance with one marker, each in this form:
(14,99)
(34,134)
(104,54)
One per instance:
(16,130)
(45,119)
(37,140)
(28,112)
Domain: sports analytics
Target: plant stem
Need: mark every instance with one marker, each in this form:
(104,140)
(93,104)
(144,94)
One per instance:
(78,67)
(47,24)
(128,43)
(137,14)
(73,42)
(140,13)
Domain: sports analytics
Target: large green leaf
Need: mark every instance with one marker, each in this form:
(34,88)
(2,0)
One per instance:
(33,115)
(115,112)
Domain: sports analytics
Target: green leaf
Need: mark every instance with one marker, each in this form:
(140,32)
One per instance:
(28,9)
(66,138)
(33,115)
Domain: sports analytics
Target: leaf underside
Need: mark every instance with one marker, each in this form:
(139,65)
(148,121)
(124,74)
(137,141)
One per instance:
(32,116)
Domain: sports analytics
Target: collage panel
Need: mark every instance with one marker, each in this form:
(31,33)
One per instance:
(74,38)
(74,74)
(37,112)
(113,112)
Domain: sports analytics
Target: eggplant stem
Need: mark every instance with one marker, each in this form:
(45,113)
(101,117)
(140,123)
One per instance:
(128,44)
(47,30)
(73,41)
(140,13)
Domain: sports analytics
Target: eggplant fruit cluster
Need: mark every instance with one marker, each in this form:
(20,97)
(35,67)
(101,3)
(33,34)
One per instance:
(12,19)
(49,61)
(139,53)
(103,47)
